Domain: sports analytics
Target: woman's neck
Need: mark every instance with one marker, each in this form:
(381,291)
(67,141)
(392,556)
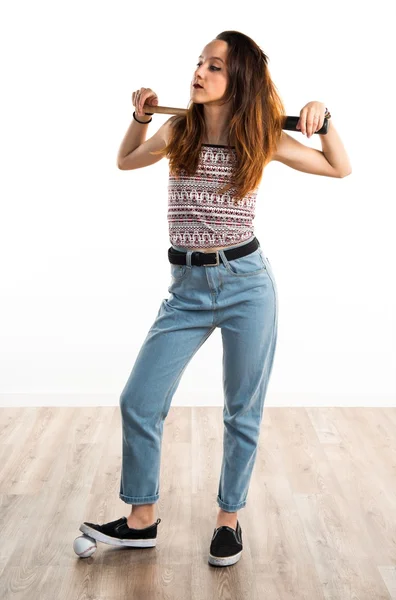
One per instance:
(216,125)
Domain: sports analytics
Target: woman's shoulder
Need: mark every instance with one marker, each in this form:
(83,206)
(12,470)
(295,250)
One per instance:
(168,128)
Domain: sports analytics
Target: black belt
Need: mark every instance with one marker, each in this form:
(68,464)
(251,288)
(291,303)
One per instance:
(211,259)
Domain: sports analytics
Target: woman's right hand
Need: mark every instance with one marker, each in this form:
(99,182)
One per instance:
(142,97)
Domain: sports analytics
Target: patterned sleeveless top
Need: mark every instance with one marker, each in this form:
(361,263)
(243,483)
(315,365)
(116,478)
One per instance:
(200,217)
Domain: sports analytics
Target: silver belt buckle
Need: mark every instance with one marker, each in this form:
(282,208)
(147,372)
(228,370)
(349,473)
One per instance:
(217,260)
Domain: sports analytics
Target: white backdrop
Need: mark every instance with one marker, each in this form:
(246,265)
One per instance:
(76,301)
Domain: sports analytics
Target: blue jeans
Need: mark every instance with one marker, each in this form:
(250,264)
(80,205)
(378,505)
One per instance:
(240,297)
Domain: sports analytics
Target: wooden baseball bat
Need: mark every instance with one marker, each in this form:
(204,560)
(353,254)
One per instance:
(289,122)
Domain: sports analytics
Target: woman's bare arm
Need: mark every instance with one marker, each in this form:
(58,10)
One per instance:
(134,152)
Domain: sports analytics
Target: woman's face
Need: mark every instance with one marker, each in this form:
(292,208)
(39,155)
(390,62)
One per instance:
(211,74)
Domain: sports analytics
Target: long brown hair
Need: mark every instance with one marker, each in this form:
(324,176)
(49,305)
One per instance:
(256,119)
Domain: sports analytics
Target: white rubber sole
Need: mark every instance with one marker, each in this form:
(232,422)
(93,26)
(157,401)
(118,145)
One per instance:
(106,539)
(224,561)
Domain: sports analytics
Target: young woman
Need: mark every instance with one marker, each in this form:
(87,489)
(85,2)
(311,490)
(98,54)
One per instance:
(220,275)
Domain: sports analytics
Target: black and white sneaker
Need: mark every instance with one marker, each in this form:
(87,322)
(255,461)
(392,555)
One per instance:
(117,533)
(226,546)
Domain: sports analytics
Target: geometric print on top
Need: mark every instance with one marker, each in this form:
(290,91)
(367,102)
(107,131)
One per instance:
(200,217)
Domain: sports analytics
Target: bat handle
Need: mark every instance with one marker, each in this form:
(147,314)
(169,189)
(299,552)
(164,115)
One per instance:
(289,122)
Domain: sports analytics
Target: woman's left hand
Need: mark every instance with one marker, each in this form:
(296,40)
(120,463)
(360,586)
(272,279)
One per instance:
(311,118)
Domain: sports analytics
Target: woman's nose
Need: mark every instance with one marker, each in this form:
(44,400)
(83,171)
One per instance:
(198,69)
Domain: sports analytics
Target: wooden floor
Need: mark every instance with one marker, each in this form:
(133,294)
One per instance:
(320,519)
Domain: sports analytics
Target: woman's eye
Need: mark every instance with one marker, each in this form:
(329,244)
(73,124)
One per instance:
(211,67)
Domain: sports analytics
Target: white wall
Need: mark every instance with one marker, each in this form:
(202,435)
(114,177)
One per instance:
(76,303)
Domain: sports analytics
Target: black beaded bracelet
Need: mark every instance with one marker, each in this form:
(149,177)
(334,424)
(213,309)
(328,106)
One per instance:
(142,122)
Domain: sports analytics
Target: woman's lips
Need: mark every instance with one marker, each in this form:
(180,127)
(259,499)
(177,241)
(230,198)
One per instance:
(197,87)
